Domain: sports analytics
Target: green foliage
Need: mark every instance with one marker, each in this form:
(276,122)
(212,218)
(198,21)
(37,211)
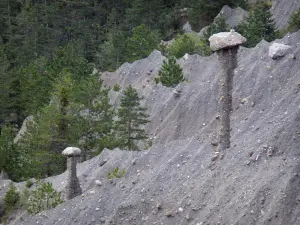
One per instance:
(11,157)
(142,43)
(131,118)
(294,23)
(219,25)
(11,198)
(116,173)
(170,74)
(96,125)
(116,88)
(188,43)
(29,183)
(259,25)
(44,197)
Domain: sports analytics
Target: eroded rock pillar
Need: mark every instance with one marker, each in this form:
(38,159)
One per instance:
(73,188)
(226,45)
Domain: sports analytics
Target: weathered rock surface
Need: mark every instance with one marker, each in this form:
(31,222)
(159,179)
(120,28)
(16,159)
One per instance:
(233,16)
(226,40)
(71,151)
(23,129)
(187,28)
(246,187)
(277,50)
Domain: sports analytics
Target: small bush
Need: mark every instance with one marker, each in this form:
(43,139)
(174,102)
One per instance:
(294,23)
(170,74)
(42,198)
(188,43)
(11,198)
(29,183)
(116,173)
(116,88)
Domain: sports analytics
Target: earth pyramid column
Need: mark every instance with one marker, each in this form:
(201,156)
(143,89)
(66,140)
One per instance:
(73,188)
(226,45)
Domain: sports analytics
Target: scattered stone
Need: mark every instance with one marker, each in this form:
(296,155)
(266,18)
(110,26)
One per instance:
(277,50)
(98,183)
(244,100)
(169,214)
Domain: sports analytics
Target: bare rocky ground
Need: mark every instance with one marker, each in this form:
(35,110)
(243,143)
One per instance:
(175,181)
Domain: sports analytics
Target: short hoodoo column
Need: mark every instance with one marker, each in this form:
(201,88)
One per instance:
(73,188)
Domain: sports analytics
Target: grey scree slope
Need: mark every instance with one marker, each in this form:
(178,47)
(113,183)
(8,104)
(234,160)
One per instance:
(177,171)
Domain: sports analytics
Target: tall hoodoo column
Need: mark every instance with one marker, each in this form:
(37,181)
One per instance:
(226,45)
(73,188)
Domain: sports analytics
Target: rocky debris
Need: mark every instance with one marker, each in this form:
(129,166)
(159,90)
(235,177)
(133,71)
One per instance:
(226,40)
(277,50)
(206,190)
(98,182)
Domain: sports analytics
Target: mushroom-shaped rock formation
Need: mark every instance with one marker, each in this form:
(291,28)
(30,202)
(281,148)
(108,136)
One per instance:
(71,151)
(226,44)
(226,40)
(73,188)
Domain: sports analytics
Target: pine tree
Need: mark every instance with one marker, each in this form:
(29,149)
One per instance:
(294,23)
(259,25)
(131,119)
(170,73)
(142,43)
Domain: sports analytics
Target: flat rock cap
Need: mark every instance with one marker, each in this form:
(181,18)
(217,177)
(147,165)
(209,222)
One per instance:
(226,40)
(71,151)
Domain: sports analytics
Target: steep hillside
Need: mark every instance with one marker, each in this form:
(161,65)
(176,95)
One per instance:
(175,181)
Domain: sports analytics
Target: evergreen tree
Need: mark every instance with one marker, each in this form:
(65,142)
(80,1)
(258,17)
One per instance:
(259,25)
(203,12)
(142,43)
(170,73)
(219,25)
(131,119)
(97,123)
(294,23)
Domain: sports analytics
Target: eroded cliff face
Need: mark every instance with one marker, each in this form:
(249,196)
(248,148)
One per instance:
(175,181)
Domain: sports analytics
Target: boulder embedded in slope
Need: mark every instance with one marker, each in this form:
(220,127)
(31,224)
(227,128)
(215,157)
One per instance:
(226,40)
(277,50)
